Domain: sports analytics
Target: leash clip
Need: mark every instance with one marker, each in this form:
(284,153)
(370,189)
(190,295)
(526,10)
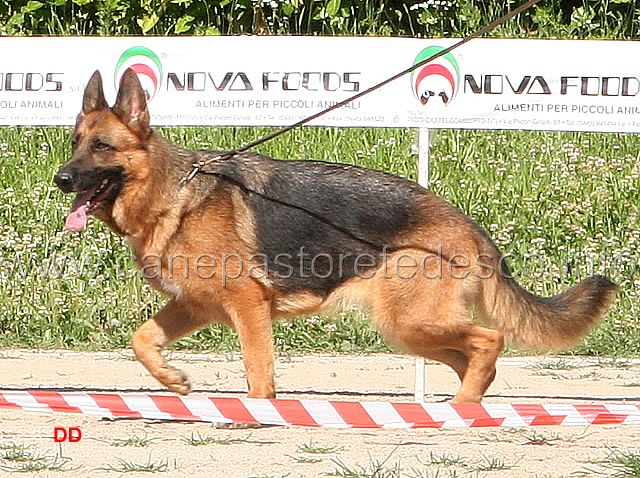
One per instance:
(191,175)
(197,167)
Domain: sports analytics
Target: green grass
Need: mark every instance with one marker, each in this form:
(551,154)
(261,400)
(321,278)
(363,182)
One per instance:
(618,464)
(535,437)
(565,201)
(304,459)
(376,469)
(445,460)
(314,448)
(553,364)
(124,466)
(493,463)
(197,439)
(134,441)
(20,458)
(614,363)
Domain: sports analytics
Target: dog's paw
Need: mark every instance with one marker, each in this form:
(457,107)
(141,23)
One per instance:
(177,381)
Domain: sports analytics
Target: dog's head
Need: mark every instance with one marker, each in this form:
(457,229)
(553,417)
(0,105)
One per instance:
(107,145)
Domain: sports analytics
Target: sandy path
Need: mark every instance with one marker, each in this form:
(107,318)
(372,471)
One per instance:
(276,452)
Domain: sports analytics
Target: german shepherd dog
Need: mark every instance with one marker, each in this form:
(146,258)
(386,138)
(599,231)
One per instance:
(262,238)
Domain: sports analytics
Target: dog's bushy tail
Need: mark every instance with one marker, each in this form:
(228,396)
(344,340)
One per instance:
(545,323)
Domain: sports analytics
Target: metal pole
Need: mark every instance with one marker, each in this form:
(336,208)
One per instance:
(423,180)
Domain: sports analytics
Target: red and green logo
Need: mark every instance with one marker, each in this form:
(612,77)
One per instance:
(436,81)
(146,64)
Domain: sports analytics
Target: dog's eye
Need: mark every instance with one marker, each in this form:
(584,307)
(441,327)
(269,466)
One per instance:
(100,146)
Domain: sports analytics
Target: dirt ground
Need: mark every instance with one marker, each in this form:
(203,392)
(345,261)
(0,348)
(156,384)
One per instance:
(126,447)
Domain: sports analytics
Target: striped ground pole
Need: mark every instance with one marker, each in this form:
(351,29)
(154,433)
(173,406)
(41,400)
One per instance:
(317,413)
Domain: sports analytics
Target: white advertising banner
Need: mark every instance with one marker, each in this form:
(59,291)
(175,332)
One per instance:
(278,80)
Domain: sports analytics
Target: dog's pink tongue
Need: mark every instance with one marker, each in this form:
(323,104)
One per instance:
(77,218)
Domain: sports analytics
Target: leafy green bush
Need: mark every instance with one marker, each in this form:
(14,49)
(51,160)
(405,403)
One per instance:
(560,18)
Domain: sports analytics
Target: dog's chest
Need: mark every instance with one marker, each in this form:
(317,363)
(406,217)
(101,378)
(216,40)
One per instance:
(161,279)
(158,271)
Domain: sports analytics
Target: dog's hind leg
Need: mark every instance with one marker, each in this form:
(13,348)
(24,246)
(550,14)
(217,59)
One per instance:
(171,323)
(481,346)
(471,352)
(477,348)
(453,358)
(431,318)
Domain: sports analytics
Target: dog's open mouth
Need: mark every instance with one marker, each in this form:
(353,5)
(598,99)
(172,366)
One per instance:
(88,201)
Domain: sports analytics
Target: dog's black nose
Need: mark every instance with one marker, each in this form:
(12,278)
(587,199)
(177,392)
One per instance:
(64,181)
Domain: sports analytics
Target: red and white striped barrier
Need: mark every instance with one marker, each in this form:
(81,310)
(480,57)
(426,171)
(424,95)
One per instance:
(318,413)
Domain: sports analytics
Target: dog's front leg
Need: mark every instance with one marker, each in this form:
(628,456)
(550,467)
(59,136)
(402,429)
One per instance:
(171,323)
(252,321)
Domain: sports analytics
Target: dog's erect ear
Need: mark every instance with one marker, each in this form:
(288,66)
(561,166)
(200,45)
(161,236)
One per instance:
(94,95)
(131,105)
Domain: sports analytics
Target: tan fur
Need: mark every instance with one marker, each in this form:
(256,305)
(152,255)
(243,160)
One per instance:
(429,315)
(296,303)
